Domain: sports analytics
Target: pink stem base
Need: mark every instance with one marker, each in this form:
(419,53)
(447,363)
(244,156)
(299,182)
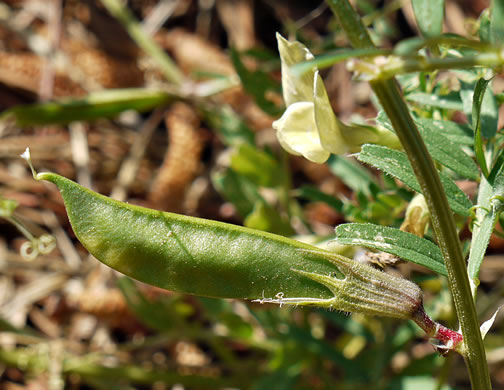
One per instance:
(443,338)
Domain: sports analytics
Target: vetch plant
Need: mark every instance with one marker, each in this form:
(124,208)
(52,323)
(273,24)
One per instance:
(415,212)
(209,258)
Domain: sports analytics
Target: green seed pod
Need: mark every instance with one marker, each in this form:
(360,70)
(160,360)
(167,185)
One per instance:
(190,255)
(202,257)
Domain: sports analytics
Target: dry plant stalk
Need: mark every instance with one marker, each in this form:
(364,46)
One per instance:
(182,159)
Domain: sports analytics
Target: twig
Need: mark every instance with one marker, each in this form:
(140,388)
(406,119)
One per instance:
(64,243)
(80,152)
(47,76)
(32,292)
(159,15)
(129,168)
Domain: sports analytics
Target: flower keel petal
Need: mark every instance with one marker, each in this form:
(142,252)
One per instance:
(297,132)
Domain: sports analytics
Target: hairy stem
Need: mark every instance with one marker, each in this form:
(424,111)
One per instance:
(442,219)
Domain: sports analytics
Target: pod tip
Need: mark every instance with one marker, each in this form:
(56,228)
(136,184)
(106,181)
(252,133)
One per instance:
(27,157)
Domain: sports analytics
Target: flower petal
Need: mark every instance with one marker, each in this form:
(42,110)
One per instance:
(329,127)
(297,132)
(295,88)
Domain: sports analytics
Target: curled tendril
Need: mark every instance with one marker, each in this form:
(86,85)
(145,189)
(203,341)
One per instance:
(473,218)
(498,198)
(47,243)
(29,250)
(37,245)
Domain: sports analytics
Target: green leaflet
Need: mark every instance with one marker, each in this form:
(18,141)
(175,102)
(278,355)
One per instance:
(455,132)
(161,314)
(411,46)
(231,129)
(394,241)
(396,164)
(449,102)
(256,83)
(236,189)
(497,23)
(314,194)
(479,93)
(429,15)
(257,166)
(352,174)
(441,148)
(102,104)
(490,204)
(478,115)
(326,60)
(266,218)
(479,103)
(448,153)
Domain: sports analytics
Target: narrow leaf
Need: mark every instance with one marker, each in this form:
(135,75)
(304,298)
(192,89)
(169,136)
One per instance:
(448,153)
(429,15)
(449,102)
(256,83)
(352,174)
(456,132)
(405,245)
(265,218)
(412,45)
(160,314)
(396,164)
(257,166)
(484,26)
(228,124)
(496,169)
(237,190)
(102,104)
(479,93)
(497,22)
(327,60)
(490,205)
(314,194)
(488,113)
(442,149)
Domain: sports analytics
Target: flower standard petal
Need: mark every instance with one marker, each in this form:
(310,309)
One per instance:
(297,132)
(295,88)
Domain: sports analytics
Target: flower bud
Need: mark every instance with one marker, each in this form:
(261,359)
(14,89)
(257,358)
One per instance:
(417,216)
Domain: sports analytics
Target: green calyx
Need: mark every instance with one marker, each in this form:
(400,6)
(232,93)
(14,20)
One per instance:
(363,289)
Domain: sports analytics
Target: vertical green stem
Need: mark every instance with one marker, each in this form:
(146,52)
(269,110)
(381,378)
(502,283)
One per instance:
(442,218)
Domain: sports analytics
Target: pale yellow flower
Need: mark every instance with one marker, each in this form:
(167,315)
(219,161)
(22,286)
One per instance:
(308,126)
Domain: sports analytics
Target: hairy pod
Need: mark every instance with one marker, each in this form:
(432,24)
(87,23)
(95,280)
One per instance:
(209,258)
